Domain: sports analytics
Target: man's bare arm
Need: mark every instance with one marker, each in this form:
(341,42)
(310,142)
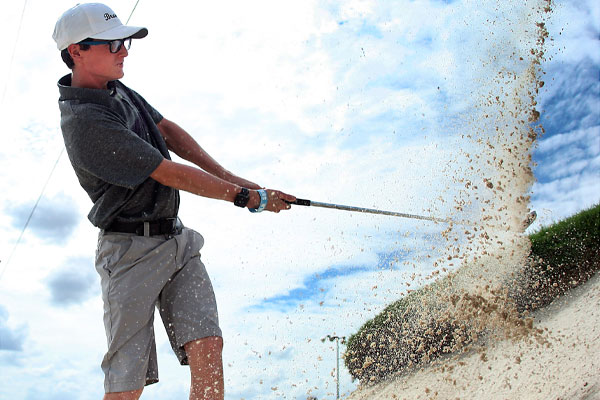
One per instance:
(199,182)
(184,145)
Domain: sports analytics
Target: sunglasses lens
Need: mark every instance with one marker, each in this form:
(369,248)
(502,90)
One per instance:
(115,45)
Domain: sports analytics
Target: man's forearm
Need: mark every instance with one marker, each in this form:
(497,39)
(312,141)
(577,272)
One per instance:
(194,180)
(184,145)
(199,182)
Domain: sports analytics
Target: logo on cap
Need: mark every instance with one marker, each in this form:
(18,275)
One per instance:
(108,16)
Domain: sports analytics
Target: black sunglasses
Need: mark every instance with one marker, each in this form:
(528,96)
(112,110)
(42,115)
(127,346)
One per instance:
(113,45)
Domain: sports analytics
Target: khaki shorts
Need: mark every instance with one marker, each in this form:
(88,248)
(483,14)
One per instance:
(137,274)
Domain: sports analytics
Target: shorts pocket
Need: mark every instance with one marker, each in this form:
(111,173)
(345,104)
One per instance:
(111,250)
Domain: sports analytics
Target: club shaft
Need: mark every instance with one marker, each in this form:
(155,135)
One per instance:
(365,210)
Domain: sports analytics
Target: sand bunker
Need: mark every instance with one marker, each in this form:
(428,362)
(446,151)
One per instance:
(566,367)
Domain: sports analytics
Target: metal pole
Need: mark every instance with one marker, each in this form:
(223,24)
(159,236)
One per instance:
(337,359)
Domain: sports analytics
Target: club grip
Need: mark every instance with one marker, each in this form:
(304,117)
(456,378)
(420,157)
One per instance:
(299,202)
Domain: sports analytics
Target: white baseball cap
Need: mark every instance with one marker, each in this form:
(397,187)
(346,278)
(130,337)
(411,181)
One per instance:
(92,20)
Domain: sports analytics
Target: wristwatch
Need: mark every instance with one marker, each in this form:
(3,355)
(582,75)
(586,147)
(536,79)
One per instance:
(242,198)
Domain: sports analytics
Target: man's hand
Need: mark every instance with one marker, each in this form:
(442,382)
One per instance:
(276,200)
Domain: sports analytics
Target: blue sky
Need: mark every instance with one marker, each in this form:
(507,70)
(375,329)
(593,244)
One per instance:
(356,102)
(568,155)
(315,287)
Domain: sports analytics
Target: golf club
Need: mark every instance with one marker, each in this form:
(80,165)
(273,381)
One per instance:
(529,219)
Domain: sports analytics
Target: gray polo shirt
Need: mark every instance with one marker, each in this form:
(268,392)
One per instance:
(114,145)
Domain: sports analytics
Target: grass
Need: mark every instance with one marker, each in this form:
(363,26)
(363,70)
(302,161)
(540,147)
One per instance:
(405,333)
(563,256)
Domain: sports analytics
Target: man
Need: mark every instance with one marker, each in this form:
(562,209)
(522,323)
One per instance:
(119,148)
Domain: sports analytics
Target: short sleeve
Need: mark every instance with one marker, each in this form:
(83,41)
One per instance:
(101,144)
(156,116)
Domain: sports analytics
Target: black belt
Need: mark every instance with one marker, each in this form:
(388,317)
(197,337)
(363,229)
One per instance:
(167,226)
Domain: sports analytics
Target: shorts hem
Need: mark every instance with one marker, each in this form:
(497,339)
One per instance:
(127,386)
(183,360)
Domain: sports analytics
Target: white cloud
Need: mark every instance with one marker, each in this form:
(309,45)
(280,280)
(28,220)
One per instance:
(75,282)
(564,197)
(11,338)
(575,27)
(559,141)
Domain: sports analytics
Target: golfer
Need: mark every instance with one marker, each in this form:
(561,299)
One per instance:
(119,148)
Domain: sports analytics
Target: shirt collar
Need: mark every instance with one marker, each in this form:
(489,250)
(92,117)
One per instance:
(68,92)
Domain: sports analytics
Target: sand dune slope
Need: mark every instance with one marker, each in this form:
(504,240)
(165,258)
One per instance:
(566,368)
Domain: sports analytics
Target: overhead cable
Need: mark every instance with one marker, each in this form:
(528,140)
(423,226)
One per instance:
(12,57)
(31,214)
(134,7)
(57,159)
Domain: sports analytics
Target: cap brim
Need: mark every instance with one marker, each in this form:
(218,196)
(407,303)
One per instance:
(122,32)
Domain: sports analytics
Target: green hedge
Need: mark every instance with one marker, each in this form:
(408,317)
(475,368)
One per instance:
(563,256)
(405,333)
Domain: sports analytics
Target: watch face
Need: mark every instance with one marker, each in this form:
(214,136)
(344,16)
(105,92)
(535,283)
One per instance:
(242,198)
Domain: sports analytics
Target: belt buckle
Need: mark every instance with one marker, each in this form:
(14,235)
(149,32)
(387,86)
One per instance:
(146,228)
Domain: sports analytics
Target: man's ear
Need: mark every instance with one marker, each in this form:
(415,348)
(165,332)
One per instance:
(74,51)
